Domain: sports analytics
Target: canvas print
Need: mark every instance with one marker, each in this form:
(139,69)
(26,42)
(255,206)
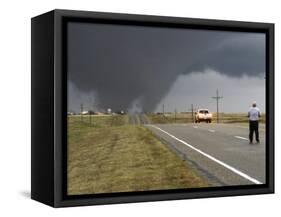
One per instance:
(158,108)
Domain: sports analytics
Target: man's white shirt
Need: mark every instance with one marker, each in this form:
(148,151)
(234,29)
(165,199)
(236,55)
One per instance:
(254,114)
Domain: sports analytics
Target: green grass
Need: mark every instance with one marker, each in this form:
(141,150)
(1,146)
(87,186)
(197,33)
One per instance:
(113,156)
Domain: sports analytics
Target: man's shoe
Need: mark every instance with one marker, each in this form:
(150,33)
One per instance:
(258,141)
(250,142)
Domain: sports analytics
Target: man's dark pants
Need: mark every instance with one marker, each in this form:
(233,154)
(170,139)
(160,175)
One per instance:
(254,127)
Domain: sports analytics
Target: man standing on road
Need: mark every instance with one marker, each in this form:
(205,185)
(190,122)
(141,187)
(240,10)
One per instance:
(254,115)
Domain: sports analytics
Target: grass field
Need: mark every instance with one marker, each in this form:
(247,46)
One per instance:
(187,118)
(170,118)
(236,118)
(109,155)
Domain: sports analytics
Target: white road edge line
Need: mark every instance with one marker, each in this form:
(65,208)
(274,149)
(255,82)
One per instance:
(240,137)
(212,131)
(212,158)
(195,127)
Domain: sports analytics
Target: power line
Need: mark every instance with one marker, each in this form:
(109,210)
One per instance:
(217,98)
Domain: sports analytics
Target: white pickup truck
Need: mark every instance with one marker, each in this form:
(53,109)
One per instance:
(203,115)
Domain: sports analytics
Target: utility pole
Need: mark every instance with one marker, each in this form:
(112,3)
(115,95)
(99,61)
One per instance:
(217,98)
(175,115)
(81,112)
(90,116)
(163,110)
(192,111)
(92,112)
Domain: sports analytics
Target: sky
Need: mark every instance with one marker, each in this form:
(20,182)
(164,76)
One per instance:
(140,68)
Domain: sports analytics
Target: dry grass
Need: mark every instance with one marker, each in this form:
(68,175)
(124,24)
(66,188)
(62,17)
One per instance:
(170,118)
(235,118)
(121,158)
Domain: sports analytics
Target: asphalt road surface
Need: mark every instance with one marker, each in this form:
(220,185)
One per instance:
(219,152)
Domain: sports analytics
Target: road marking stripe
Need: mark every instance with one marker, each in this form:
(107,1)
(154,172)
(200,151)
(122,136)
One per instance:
(212,158)
(212,131)
(195,127)
(240,137)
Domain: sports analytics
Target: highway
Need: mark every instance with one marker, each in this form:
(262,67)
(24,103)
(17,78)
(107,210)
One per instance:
(221,153)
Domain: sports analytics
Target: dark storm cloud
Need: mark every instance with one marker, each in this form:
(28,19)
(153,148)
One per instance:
(235,56)
(125,64)
(199,88)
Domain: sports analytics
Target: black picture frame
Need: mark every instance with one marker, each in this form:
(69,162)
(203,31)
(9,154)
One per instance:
(49,107)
